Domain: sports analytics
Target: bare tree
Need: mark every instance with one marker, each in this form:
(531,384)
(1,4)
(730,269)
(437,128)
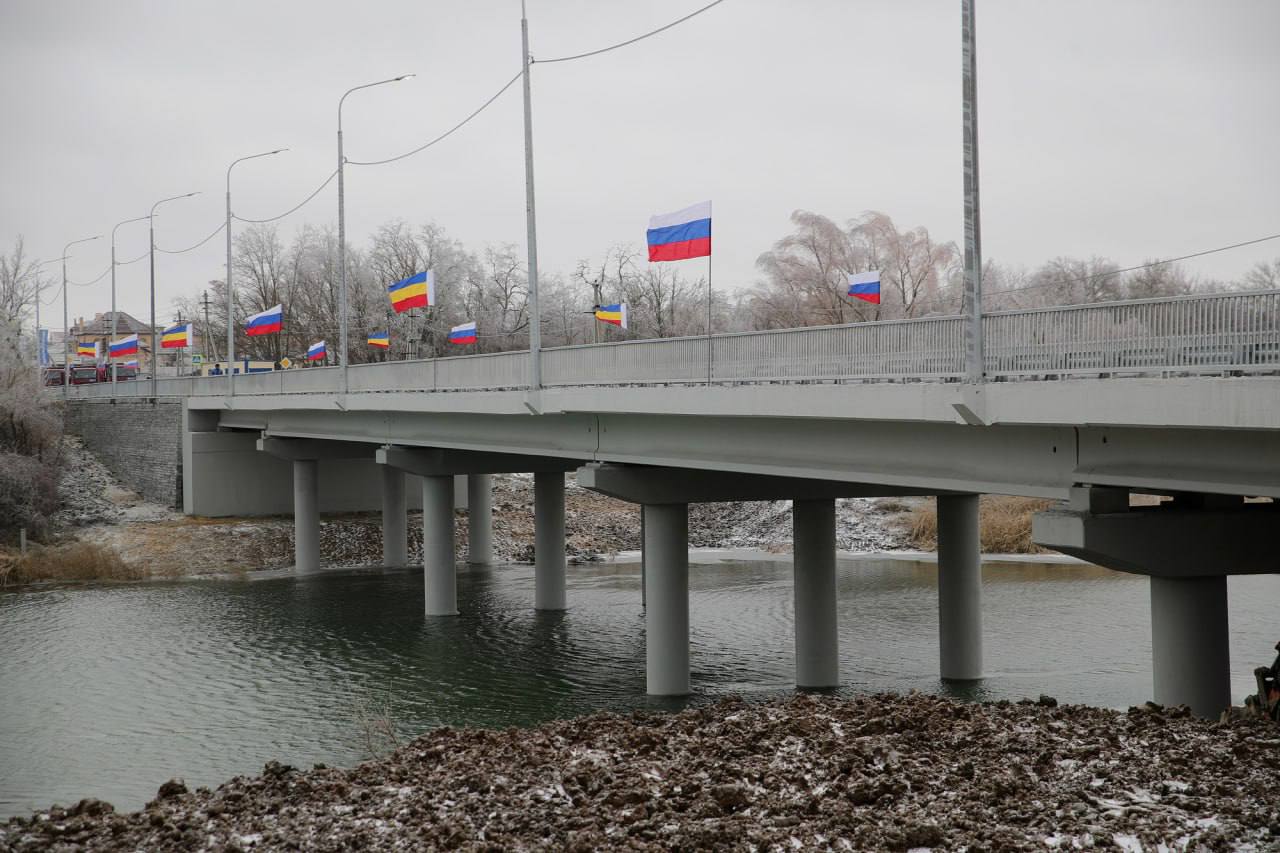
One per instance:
(19,285)
(1263,276)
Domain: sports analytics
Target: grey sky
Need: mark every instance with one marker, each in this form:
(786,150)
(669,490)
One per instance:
(1126,128)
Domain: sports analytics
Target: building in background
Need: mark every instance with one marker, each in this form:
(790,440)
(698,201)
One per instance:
(99,330)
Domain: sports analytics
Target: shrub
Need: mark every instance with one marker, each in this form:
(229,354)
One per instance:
(1004,523)
(78,561)
(28,495)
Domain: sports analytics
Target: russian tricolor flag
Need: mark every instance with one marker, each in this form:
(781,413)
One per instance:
(865,286)
(463,334)
(316,351)
(265,322)
(124,346)
(680,235)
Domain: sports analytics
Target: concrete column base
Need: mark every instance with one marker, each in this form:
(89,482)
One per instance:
(1190,649)
(817,643)
(548,545)
(306,515)
(395,521)
(440,581)
(959,588)
(666,616)
(480,519)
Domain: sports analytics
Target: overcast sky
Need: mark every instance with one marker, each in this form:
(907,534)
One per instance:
(1131,129)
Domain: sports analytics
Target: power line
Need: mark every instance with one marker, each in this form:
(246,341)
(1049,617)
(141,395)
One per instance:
(100,277)
(1108,274)
(295,207)
(517,76)
(447,133)
(629,41)
(134,261)
(196,246)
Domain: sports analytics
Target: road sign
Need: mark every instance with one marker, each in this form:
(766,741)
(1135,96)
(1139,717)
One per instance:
(285,363)
(197,358)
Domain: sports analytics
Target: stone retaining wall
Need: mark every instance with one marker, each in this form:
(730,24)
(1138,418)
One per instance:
(139,441)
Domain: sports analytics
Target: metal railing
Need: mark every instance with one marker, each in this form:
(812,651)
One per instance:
(1225,333)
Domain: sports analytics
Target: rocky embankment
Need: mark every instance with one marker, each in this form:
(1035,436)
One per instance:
(162,542)
(874,773)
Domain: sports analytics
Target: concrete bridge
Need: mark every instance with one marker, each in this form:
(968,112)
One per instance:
(1086,404)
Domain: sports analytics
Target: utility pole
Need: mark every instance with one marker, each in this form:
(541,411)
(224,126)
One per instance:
(208,332)
(535,319)
(974,352)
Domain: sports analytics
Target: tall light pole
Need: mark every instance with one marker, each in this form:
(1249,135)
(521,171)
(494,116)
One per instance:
(66,327)
(231,314)
(39,366)
(110,361)
(535,319)
(974,354)
(155,338)
(342,230)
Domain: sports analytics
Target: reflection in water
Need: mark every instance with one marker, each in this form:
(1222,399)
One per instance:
(108,691)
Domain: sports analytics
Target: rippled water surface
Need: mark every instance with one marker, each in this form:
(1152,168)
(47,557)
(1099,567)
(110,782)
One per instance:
(107,691)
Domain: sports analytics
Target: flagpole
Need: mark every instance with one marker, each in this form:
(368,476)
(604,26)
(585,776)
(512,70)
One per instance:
(708,317)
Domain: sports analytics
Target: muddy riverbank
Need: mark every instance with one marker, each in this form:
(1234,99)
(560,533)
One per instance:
(883,772)
(157,541)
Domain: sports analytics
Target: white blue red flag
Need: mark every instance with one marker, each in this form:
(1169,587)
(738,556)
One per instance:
(680,235)
(265,322)
(463,334)
(316,351)
(124,346)
(865,286)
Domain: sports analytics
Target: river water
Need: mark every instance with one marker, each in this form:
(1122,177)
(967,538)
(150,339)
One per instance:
(109,690)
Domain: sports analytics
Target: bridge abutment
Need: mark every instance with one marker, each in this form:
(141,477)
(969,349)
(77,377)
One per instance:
(395,518)
(814,559)
(439,573)
(548,544)
(959,588)
(666,616)
(480,519)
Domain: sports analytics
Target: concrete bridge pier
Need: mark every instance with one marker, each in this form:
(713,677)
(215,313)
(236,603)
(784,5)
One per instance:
(306,515)
(814,559)
(1187,547)
(664,495)
(395,518)
(666,615)
(548,542)
(480,519)
(1190,654)
(959,588)
(440,577)
(305,455)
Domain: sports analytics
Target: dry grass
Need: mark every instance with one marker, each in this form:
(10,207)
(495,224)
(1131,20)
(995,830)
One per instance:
(1005,524)
(77,561)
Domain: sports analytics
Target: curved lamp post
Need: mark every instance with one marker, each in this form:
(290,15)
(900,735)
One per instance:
(231,319)
(155,355)
(342,230)
(66,327)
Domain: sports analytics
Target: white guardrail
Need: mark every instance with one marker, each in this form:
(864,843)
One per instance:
(1221,333)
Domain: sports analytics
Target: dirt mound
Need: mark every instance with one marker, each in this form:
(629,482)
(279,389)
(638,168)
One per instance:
(880,772)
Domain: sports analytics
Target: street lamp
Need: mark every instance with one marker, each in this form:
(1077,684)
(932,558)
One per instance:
(152,251)
(39,365)
(231,321)
(342,231)
(110,361)
(66,327)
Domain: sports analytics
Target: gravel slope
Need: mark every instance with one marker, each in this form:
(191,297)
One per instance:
(876,773)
